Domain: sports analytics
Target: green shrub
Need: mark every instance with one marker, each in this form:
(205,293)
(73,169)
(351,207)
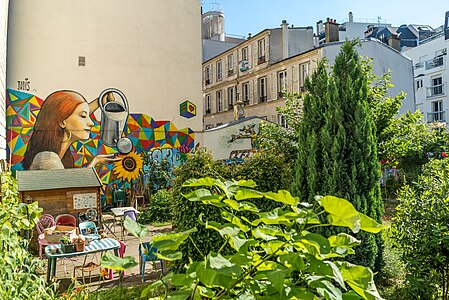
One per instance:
(421,230)
(18,268)
(158,209)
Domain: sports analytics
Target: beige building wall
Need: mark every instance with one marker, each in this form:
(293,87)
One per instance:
(150,50)
(263,106)
(3,36)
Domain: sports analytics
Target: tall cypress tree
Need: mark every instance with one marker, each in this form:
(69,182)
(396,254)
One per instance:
(337,152)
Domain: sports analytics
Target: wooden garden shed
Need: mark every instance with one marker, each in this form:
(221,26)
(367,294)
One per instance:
(67,191)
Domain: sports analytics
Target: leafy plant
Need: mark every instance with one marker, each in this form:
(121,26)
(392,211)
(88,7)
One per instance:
(421,230)
(275,255)
(158,209)
(18,268)
(66,240)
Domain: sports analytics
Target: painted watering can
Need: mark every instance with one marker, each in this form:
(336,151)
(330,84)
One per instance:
(113,121)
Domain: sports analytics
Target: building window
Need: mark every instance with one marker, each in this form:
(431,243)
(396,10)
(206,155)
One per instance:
(245,53)
(282,121)
(261,51)
(230,64)
(219,102)
(282,83)
(207,75)
(304,70)
(419,84)
(207,104)
(81,61)
(436,89)
(437,114)
(262,89)
(219,70)
(245,92)
(231,97)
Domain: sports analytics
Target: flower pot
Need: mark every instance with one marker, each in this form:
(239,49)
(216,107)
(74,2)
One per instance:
(80,246)
(67,248)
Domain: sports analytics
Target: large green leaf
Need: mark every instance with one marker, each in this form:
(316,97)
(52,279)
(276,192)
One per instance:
(291,260)
(370,225)
(136,229)
(325,268)
(202,195)
(110,261)
(301,294)
(324,288)
(243,194)
(206,181)
(360,279)
(164,242)
(341,212)
(169,255)
(283,197)
(224,229)
(276,278)
(343,240)
(247,183)
(179,295)
(212,277)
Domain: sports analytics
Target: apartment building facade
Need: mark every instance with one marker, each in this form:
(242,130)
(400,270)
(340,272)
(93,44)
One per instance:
(259,75)
(431,75)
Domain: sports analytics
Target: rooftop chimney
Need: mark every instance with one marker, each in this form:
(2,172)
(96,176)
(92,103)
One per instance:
(331,31)
(249,35)
(350,17)
(284,27)
(394,42)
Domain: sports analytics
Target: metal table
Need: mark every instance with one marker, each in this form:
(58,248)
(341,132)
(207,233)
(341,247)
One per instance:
(94,246)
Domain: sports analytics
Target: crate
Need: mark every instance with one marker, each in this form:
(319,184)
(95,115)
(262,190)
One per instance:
(55,233)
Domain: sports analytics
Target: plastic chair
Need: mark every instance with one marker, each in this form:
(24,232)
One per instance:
(86,268)
(91,215)
(45,221)
(130,214)
(65,220)
(89,230)
(121,252)
(148,254)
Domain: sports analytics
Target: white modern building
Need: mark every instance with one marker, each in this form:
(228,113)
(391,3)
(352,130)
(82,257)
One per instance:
(431,75)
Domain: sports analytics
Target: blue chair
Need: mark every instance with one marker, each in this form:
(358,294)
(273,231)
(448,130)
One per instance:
(148,254)
(89,230)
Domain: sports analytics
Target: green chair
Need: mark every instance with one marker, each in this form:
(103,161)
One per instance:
(118,198)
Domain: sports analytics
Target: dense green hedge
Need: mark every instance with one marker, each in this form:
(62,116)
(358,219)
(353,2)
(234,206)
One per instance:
(158,210)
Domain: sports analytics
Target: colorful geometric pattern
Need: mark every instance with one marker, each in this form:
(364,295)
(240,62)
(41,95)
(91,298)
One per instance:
(146,134)
(187,109)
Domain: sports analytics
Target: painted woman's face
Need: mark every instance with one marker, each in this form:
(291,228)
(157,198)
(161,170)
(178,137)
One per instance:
(79,123)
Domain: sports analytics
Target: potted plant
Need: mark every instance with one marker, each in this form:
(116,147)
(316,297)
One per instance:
(66,245)
(79,242)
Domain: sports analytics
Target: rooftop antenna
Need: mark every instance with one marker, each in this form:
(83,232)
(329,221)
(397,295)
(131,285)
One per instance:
(379,18)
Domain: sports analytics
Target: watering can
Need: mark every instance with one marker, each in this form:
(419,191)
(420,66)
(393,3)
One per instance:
(113,121)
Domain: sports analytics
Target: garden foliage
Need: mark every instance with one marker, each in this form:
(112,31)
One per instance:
(158,209)
(337,152)
(274,255)
(270,171)
(18,268)
(421,231)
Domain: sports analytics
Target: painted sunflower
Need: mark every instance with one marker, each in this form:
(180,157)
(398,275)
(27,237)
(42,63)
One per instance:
(129,167)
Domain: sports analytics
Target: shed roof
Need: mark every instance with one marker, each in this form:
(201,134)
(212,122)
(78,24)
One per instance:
(37,180)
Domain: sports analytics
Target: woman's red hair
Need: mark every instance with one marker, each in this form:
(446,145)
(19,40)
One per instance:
(48,134)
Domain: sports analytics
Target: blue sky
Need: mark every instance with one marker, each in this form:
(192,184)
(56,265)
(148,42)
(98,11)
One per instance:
(252,16)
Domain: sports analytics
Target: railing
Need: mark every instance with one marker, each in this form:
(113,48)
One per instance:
(261,60)
(437,116)
(262,99)
(207,81)
(419,65)
(245,102)
(207,111)
(433,63)
(436,91)
(302,89)
(282,94)
(230,106)
(231,72)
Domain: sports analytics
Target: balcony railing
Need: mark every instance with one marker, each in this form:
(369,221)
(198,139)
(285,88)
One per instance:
(207,81)
(436,90)
(262,99)
(261,60)
(282,94)
(230,72)
(436,62)
(230,106)
(208,111)
(437,116)
(419,65)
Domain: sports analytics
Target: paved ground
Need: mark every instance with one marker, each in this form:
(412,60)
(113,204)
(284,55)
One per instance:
(132,276)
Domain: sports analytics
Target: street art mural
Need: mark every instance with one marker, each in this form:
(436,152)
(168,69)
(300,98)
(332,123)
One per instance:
(62,132)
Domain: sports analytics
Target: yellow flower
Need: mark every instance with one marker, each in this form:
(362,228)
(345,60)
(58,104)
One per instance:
(129,167)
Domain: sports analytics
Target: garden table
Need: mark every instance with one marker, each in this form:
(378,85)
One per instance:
(93,247)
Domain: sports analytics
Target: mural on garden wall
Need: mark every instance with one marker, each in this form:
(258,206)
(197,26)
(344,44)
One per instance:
(62,132)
